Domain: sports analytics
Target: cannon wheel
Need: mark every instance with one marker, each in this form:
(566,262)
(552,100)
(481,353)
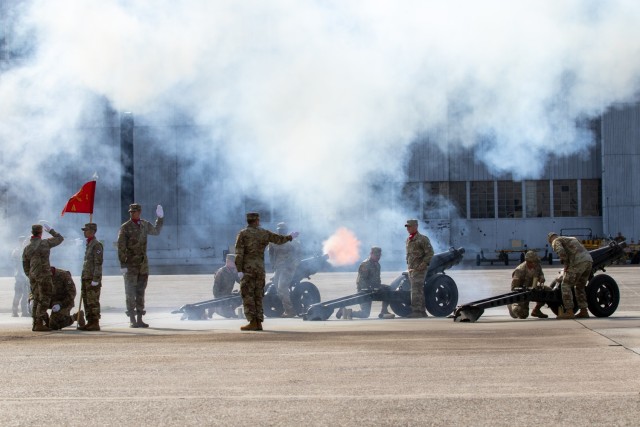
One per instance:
(440,295)
(400,308)
(271,304)
(303,295)
(603,295)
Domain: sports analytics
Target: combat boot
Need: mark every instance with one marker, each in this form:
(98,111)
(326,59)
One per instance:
(132,321)
(568,314)
(79,317)
(41,327)
(140,323)
(583,313)
(251,326)
(93,325)
(537,313)
(339,313)
(259,323)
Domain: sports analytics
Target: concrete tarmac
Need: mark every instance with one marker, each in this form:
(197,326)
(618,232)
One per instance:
(495,372)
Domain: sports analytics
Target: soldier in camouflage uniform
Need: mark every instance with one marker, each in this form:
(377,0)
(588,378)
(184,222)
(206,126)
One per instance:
(527,275)
(132,254)
(225,278)
(419,254)
(21,287)
(250,245)
(62,300)
(35,263)
(577,263)
(91,277)
(285,259)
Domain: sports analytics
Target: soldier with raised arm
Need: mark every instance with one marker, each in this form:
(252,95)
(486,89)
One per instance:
(35,263)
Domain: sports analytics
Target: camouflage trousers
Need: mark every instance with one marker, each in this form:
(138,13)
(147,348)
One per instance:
(417,291)
(364,312)
(575,276)
(135,285)
(91,299)
(21,291)
(252,291)
(41,294)
(61,319)
(520,310)
(284,276)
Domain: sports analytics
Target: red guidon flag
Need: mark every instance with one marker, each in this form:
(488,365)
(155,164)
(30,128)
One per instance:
(82,201)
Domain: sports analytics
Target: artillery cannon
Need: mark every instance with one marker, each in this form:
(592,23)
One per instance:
(303,294)
(603,294)
(440,291)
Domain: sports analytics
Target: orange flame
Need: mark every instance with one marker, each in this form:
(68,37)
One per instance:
(342,247)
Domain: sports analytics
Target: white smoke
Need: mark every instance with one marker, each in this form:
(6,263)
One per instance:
(330,94)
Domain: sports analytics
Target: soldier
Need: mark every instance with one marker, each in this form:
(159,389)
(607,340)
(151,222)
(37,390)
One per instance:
(91,277)
(62,300)
(21,286)
(132,254)
(523,277)
(577,263)
(285,259)
(225,278)
(368,279)
(419,254)
(35,263)
(250,245)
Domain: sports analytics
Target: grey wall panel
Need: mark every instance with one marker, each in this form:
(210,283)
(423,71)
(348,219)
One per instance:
(621,130)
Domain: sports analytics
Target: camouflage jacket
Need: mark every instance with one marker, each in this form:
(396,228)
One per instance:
(368,275)
(570,251)
(35,256)
(419,252)
(522,276)
(284,256)
(224,281)
(132,242)
(250,245)
(92,266)
(63,290)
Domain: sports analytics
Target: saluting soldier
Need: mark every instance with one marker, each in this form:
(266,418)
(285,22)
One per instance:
(285,259)
(132,254)
(92,277)
(419,254)
(250,245)
(35,263)
(62,300)
(577,263)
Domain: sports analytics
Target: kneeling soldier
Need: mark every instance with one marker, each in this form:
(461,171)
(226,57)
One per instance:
(62,300)
(525,276)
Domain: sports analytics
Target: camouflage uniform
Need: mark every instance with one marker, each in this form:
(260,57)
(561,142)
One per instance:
(368,279)
(132,254)
(223,283)
(522,277)
(35,263)
(419,254)
(21,287)
(285,259)
(250,245)
(63,294)
(92,272)
(577,263)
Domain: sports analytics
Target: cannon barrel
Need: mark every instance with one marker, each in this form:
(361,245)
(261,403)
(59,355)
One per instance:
(605,256)
(309,266)
(444,261)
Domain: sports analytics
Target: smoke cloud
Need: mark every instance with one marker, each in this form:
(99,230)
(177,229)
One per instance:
(321,98)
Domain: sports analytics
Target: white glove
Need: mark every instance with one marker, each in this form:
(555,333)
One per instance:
(55,308)
(240,274)
(95,283)
(45,225)
(159,212)
(123,270)
(294,234)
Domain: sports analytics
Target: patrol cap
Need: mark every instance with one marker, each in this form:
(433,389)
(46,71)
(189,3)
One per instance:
(531,256)
(36,229)
(90,226)
(252,216)
(551,235)
(231,257)
(411,222)
(135,207)
(376,250)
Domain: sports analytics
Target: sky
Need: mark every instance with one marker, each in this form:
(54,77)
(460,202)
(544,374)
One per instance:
(331,94)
